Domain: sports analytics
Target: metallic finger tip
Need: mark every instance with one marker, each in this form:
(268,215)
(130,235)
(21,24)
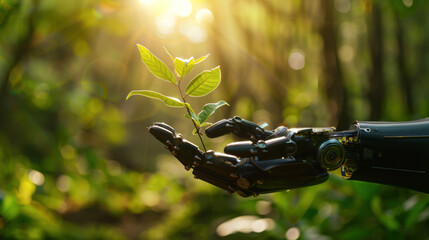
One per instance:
(164,125)
(219,128)
(210,131)
(162,134)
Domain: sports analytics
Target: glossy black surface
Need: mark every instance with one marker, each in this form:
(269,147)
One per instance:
(394,153)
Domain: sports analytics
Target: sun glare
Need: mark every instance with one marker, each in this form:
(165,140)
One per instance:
(192,31)
(147,2)
(173,16)
(182,8)
(165,23)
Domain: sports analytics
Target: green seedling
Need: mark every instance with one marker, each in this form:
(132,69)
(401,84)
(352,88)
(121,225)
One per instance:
(202,84)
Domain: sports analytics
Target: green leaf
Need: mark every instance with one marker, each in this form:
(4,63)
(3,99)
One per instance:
(202,58)
(189,66)
(209,109)
(179,66)
(156,66)
(183,66)
(169,101)
(194,132)
(206,124)
(192,116)
(187,105)
(9,208)
(168,53)
(413,216)
(387,219)
(204,83)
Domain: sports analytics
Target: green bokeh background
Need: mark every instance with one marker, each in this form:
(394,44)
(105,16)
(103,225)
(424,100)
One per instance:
(77,162)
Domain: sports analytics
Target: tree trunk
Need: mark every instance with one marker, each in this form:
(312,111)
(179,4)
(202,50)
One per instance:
(377,84)
(404,76)
(333,81)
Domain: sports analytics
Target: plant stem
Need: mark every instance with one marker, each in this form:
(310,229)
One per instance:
(189,112)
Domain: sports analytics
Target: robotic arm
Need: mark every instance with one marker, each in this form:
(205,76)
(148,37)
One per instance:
(381,152)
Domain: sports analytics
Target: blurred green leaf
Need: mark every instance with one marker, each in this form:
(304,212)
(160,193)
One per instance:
(209,109)
(204,83)
(169,101)
(9,207)
(355,232)
(156,66)
(415,212)
(294,203)
(387,219)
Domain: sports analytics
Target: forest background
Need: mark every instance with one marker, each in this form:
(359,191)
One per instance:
(77,161)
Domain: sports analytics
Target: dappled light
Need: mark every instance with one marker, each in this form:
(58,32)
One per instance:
(204,16)
(36,177)
(77,160)
(296,60)
(407,3)
(292,233)
(245,224)
(182,8)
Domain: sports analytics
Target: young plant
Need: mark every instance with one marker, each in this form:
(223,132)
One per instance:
(201,85)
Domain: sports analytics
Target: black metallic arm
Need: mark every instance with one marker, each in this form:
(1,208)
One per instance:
(388,153)
(393,153)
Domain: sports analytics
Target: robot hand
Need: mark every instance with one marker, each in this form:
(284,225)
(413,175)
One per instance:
(391,153)
(269,161)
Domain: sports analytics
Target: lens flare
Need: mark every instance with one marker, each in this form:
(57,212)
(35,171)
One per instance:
(292,233)
(181,8)
(165,23)
(194,32)
(296,60)
(147,2)
(36,177)
(204,16)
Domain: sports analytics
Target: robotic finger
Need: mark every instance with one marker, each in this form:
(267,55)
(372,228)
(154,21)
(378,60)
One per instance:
(239,127)
(281,147)
(216,168)
(186,152)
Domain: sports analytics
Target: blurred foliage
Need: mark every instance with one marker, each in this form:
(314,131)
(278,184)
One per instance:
(76,162)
